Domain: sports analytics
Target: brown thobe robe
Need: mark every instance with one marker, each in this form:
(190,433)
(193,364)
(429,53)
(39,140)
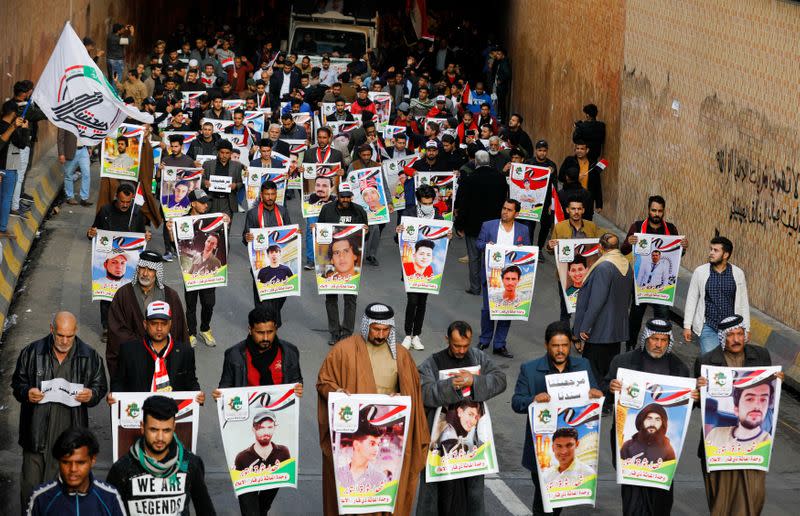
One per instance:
(348,367)
(126,321)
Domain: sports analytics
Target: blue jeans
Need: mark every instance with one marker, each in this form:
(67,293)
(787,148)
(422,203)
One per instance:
(492,331)
(116,66)
(708,339)
(310,239)
(81,161)
(6,193)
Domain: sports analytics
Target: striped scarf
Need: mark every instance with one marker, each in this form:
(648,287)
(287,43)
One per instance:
(160,375)
(172,464)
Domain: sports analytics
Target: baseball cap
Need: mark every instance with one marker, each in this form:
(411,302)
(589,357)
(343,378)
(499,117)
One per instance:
(441,98)
(262,415)
(198,195)
(404,107)
(345,190)
(541,144)
(159,310)
(149,100)
(363,88)
(431,144)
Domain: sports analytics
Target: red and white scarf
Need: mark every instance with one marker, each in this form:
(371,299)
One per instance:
(160,376)
(645,227)
(323,158)
(278,217)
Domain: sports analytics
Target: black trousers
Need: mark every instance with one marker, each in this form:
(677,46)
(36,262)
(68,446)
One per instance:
(415,312)
(538,506)
(272,305)
(565,315)
(646,501)
(600,356)
(635,321)
(258,503)
(104,307)
(208,298)
(345,328)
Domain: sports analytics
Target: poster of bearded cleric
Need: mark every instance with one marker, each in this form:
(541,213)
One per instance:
(566,439)
(369,192)
(462,443)
(202,244)
(320,181)
(126,419)
(121,153)
(338,257)
(368,438)
(574,257)
(740,414)
(176,183)
(652,415)
(423,251)
(114,259)
(256,176)
(445,185)
(275,261)
(510,275)
(657,260)
(528,184)
(260,427)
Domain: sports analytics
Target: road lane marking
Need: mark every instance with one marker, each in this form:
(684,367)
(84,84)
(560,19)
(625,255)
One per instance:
(502,492)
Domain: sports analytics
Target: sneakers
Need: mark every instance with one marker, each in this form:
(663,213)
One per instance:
(407,342)
(209,338)
(416,343)
(168,257)
(308,266)
(192,340)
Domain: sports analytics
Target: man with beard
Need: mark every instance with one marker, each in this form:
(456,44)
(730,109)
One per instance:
(261,359)
(460,496)
(654,355)
(159,474)
(372,363)
(654,224)
(740,491)
(122,162)
(650,442)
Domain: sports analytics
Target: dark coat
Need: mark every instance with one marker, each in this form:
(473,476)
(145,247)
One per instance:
(480,198)
(251,220)
(276,81)
(603,302)
(135,368)
(235,169)
(234,367)
(593,183)
(34,366)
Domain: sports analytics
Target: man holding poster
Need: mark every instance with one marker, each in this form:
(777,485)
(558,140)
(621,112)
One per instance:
(750,410)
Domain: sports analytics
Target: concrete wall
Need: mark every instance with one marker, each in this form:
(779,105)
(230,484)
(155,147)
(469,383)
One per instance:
(727,160)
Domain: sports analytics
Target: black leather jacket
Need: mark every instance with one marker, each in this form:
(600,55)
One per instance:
(234,368)
(34,366)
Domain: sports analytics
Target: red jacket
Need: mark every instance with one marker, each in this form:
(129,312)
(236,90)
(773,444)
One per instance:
(239,83)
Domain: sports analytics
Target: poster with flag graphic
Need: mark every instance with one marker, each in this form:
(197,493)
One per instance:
(445,185)
(202,244)
(423,251)
(256,176)
(397,171)
(327,110)
(510,276)
(320,184)
(462,441)
(338,253)
(369,192)
(383,106)
(115,256)
(255,121)
(361,425)
(232,105)
(390,131)
(566,439)
(528,185)
(343,127)
(121,153)
(275,261)
(260,428)
(574,257)
(188,138)
(126,419)
(75,96)
(176,183)
(656,263)
(191,99)
(218,124)
(739,406)
(652,415)
(305,120)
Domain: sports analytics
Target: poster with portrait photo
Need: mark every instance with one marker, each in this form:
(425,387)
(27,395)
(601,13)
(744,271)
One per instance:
(369,192)
(740,415)
(255,120)
(305,120)
(275,261)
(176,183)
(343,127)
(327,109)
(121,153)
(383,106)
(114,259)
(191,99)
(219,124)
(126,419)
(368,439)
(187,136)
(202,244)
(566,438)
(256,176)
(528,185)
(423,251)
(462,442)
(232,105)
(338,253)
(445,185)
(574,257)
(396,179)
(157,152)
(320,183)
(652,414)
(656,262)
(510,276)
(260,428)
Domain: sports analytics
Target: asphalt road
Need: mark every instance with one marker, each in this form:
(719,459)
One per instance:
(58,278)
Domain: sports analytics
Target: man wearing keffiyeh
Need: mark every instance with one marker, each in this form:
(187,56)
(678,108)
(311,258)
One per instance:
(373,363)
(158,474)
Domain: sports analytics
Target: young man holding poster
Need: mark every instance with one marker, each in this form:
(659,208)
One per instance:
(261,359)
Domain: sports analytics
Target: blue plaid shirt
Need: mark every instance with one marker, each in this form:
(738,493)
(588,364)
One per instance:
(720,296)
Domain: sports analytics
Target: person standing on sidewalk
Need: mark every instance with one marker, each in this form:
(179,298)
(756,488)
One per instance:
(72,157)
(717,290)
(14,136)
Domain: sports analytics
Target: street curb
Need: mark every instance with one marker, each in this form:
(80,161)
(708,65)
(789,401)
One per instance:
(47,175)
(781,340)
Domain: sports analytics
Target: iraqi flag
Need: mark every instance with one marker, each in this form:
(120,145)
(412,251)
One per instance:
(521,258)
(466,97)
(75,96)
(287,399)
(138,200)
(283,236)
(752,378)
(212,224)
(394,414)
(670,396)
(602,164)
(434,232)
(129,243)
(227,62)
(558,211)
(669,244)
(346,231)
(418,13)
(583,415)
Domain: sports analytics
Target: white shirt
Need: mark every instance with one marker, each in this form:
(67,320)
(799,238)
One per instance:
(287,81)
(505,237)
